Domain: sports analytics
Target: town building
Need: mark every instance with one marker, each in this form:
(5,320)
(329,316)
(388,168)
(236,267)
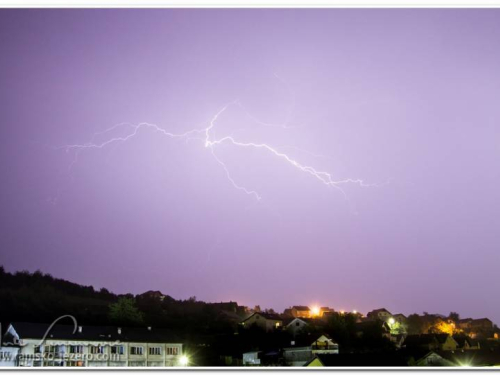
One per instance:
(40,345)
(8,355)
(465,324)
(262,358)
(481,325)
(296,325)
(379,314)
(325,311)
(301,312)
(477,328)
(466,343)
(266,321)
(400,318)
(252,358)
(231,307)
(303,352)
(324,345)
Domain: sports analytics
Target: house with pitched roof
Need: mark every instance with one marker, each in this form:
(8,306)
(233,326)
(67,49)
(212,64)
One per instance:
(304,351)
(266,321)
(379,314)
(464,342)
(296,325)
(301,312)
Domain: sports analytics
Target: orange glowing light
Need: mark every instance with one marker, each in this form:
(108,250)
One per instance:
(315,310)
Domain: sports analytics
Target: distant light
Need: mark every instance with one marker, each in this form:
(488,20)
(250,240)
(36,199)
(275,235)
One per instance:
(315,310)
(391,321)
(184,360)
(354,312)
(342,311)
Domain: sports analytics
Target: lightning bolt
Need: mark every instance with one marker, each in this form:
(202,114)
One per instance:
(211,143)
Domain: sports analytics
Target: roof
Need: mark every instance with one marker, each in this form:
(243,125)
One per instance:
(301,308)
(93,333)
(323,335)
(442,337)
(461,340)
(379,310)
(288,320)
(268,316)
(303,342)
(482,320)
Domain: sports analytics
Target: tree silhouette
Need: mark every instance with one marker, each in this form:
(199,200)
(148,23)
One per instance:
(454,316)
(124,312)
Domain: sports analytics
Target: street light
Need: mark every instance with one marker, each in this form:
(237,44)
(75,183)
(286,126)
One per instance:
(183,361)
(391,321)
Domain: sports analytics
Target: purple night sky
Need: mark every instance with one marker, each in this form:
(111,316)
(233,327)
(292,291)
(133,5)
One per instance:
(406,96)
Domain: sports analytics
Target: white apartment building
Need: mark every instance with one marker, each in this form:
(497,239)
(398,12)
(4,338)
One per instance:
(91,346)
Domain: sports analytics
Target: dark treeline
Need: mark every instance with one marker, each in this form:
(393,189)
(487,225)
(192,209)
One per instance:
(41,298)
(38,297)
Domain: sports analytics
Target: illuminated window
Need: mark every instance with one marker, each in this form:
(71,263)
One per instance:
(76,349)
(136,350)
(96,349)
(50,349)
(117,349)
(172,351)
(155,351)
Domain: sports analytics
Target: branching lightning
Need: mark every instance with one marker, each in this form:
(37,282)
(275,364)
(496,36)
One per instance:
(211,143)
